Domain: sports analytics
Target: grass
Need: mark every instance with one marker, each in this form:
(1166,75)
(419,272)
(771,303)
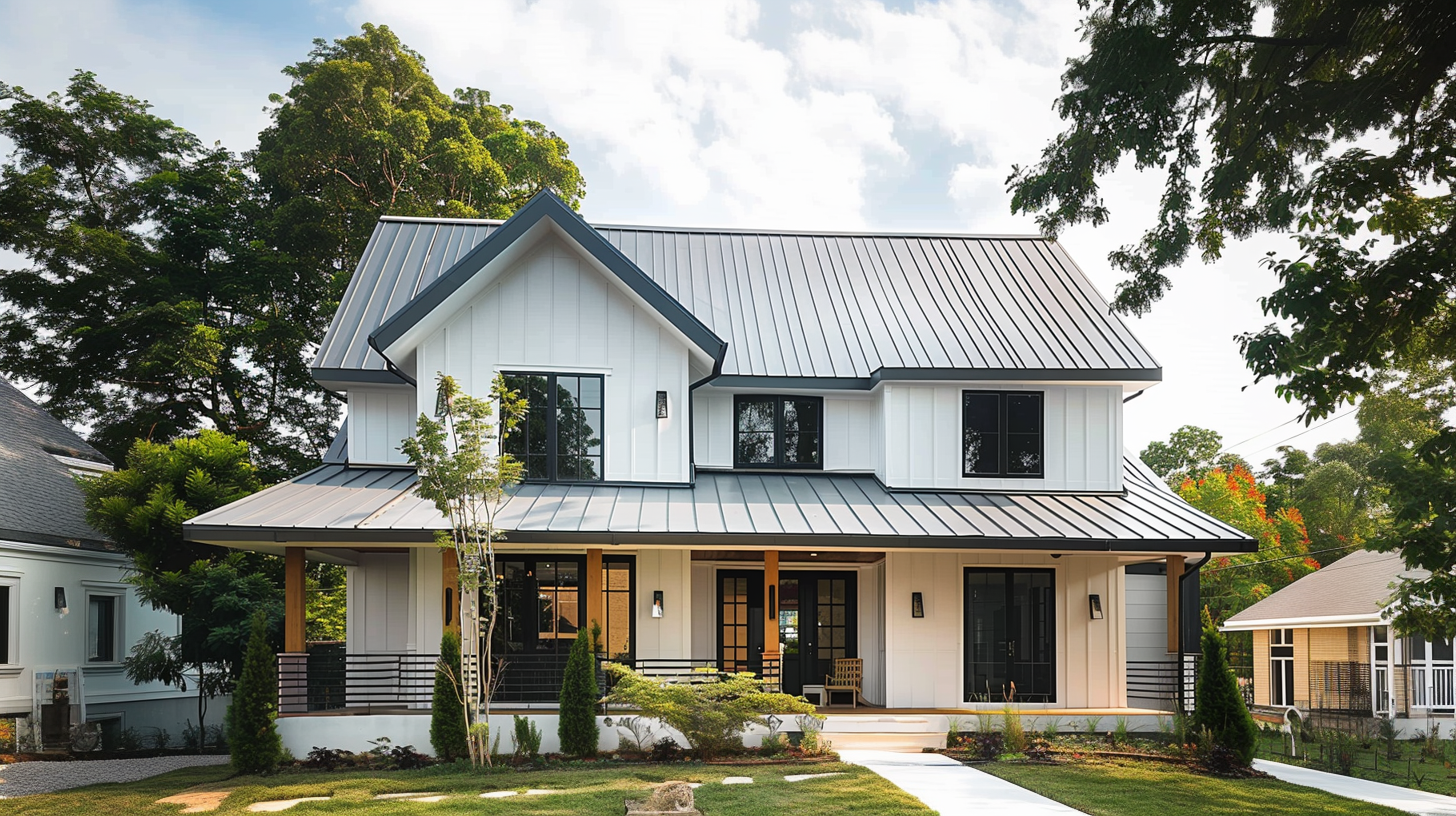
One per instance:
(1409,768)
(1130,788)
(591,789)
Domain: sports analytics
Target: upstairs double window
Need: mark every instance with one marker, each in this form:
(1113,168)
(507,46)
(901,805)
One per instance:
(1002,434)
(778,432)
(561,437)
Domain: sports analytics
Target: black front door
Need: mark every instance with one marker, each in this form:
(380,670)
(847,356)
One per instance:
(817,623)
(740,621)
(1010,635)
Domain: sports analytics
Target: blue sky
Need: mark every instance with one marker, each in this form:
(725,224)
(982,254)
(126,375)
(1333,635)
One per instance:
(829,114)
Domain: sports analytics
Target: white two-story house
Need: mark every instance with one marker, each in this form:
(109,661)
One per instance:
(760,450)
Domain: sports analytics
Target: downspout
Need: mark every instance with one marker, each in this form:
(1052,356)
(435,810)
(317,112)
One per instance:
(1188,569)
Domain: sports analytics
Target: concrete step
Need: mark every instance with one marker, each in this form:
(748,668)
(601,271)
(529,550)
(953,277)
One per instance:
(845,723)
(898,741)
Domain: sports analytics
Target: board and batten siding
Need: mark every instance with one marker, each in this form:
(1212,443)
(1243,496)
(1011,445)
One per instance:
(1082,437)
(379,419)
(379,604)
(924,657)
(553,312)
(850,441)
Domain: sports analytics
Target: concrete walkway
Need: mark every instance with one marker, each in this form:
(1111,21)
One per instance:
(952,788)
(1406,799)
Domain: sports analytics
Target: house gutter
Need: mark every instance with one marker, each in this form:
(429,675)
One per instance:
(393,369)
(692,414)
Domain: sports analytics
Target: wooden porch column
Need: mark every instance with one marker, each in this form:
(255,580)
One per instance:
(771,615)
(294,601)
(450,590)
(1175,601)
(594,612)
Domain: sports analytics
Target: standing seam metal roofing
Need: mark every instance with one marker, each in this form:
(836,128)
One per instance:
(342,503)
(814,305)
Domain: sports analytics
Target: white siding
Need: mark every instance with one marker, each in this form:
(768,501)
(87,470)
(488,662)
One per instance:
(670,636)
(379,605)
(1147,617)
(871,646)
(1082,438)
(553,312)
(851,440)
(924,665)
(379,419)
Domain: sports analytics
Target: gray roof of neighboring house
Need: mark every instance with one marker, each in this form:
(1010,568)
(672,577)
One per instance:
(39,500)
(337,503)
(845,309)
(1356,585)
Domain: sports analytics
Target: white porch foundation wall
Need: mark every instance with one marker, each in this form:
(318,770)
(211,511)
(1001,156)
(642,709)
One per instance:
(924,664)
(670,636)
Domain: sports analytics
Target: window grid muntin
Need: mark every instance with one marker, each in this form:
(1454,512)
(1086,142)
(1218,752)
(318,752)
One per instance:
(975,419)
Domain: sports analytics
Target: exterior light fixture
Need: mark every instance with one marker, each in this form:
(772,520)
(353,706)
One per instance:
(773,602)
(917,605)
(1094,602)
(662,405)
(656,603)
(61,600)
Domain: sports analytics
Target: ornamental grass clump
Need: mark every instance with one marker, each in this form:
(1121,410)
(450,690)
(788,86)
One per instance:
(712,715)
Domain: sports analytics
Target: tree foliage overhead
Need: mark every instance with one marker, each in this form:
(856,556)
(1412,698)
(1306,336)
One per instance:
(1331,119)
(1189,453)
(364,131)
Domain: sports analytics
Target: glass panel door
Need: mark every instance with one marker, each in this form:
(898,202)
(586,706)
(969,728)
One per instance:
(817,623)
(1010,636)
(740,621)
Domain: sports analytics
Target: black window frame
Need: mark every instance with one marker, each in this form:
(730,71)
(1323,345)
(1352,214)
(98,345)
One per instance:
(552,436)
(1003,434)
(778,462)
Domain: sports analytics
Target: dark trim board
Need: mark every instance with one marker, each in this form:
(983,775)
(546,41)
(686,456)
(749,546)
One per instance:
(940,374)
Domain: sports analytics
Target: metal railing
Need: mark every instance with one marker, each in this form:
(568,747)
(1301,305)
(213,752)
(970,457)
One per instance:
(327,680)
(1171,682)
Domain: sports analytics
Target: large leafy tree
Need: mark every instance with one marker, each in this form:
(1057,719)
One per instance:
(1189,453)
(364,131)
(147,306)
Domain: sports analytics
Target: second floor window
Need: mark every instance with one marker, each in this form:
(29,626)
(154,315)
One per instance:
(561,437)
(777,432)
(1001,434)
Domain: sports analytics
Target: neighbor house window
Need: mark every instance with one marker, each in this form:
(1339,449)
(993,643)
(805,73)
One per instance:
(561,437)
(1001,434)
(101,628)
(777,432)
(7,618)
(1281,667)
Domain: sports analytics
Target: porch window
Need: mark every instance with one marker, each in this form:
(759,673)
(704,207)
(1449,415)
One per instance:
(1002,434)
(1432,674)
(1281,667)
(617,607)
(561,437)
(772,431)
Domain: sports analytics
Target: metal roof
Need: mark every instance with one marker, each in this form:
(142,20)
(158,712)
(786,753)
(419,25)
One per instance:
(1354,587)
(843,309)
(342,504)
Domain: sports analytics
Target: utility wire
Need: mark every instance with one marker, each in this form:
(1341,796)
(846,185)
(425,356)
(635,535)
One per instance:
(1274,560)
(1303,432)
(1230,448)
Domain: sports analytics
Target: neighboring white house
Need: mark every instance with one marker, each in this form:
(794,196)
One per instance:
(67,617)
(759,450)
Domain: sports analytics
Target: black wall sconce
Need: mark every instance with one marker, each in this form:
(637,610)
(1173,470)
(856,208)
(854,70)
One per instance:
(1094,602)
(656,603)
(917,605)
(60,599)
(662,405)
(773,602)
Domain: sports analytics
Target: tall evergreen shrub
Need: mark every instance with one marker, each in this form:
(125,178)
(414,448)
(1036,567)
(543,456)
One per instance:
(447,712)
(1220,706)
(577,726)
(251,727)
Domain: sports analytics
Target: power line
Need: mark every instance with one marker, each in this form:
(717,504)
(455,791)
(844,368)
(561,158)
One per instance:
(1275,560)
(1303,432)
(1230,448)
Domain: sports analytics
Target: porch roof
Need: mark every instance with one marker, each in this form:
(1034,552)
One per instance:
(339,504)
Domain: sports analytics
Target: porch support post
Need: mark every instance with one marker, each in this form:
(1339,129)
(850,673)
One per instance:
(771,653)
(450,590)
(293,600)
(594,589)
(1175,603)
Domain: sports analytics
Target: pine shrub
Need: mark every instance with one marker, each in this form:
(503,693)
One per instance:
(447,711)
(577,726)
(1220,707)
(251,726)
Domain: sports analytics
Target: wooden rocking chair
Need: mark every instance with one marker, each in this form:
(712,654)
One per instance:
(848,676)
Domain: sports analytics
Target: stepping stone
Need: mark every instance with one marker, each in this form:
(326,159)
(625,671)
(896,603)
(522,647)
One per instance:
(410,796)
(540,792)
(435,798)
(738,780)
(497,794)
(282,804)
(802,777)
(196,802)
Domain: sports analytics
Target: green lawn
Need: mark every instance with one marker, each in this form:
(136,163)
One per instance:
(1134,788)
(1410,768)
(593,789)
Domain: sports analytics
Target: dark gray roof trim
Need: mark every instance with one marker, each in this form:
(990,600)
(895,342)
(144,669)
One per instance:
(341,504)
(956,374)
(545,204)
(357,376)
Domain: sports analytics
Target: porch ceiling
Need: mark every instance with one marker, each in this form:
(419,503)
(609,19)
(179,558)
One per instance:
(341,504)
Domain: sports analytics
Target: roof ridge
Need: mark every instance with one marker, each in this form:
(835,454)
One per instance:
(974,236)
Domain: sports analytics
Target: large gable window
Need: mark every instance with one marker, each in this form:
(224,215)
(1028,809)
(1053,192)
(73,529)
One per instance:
(1001,434)
(561,437)
(777,432)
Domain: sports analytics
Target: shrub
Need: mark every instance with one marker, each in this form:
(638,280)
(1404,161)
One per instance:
(1220,706)
(1388,733)
(160,739)
(1012,731)
(577,725)
(527,738)
(812,742)
(711,715)
(989,744)
(665,750)
(448,735)
(637,736)
(130,739)
(1343,748)
(256,747)
(326,759)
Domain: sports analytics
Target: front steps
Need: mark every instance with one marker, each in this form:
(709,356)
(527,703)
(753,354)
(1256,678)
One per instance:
(878,732)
